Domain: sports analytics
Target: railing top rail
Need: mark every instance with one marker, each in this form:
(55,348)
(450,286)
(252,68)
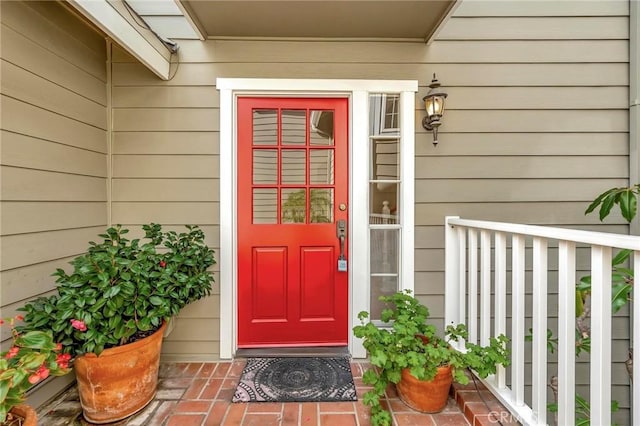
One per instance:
(630,242)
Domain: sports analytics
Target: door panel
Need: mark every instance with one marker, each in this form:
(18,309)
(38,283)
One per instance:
(269,277)
(292,176)
(317,269)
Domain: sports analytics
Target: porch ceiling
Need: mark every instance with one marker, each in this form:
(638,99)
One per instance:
(318,19)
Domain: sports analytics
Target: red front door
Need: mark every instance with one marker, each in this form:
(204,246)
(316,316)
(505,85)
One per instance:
(292,192)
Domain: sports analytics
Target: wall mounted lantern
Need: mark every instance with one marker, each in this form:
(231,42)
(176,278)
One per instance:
(434,105)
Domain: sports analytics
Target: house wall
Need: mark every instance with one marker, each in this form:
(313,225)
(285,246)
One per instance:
(534,136)
(536,126)
(53,164)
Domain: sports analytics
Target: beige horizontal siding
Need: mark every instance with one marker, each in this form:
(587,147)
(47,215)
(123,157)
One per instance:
(165,97)
(166,189)
(191,350)
(177,213)
(27,249)
(30,120)
(32,153)
(534,213)
(50,27)
(22,217)
(36,185)
(159,143)
(551,8)
(469,74)
(522,144)
(533,98)
(35,90)
(38,277)
(534,121)
(166,166)
(514,190)
(166,119)
(28,54)
(53,174)
(536,28)
(522,167)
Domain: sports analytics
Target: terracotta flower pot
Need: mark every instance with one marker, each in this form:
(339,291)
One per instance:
(25,412)
(427,396)
(121,381)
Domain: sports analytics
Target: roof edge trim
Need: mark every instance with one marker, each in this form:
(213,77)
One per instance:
(146,48)
(431,35)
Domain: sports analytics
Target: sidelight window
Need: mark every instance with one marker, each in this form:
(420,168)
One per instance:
(385,187)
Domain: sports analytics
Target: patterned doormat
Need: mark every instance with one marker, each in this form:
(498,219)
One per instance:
(296,380)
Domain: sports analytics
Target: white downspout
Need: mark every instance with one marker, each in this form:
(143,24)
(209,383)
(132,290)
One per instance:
(109,133)
(634,177)
(634,101)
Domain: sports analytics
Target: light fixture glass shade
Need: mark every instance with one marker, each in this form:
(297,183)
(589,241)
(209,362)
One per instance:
(434,106)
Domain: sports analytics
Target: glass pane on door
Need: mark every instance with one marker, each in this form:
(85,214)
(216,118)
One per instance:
(321,166)
(321,205)
(265,127)
(265,166)
(265,205)
(321,128)
(294,166)
(294,129)
(294,205)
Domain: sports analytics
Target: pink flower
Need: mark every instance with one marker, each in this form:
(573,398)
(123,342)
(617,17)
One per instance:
(34,378)
(78,325)
(163,264)
(63,360)
(43,372)
(19,318)
(12,352)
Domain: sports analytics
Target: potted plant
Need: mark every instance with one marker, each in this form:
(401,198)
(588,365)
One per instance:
(32,357)
(409,353)
(114,304)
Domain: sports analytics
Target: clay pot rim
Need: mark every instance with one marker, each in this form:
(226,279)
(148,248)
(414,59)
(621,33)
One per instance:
(26,412)
(124,348)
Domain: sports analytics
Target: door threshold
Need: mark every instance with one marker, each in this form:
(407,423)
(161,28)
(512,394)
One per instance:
(302,351)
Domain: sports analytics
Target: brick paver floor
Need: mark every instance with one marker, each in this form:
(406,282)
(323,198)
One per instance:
(199,394)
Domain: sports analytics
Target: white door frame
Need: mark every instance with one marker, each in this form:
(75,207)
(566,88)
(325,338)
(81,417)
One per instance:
(357,91)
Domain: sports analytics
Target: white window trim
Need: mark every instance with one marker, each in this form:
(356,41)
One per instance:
(358,92)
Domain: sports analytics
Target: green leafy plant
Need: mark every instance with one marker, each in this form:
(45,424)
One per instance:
(409,342)
(121,290)
(622,279)
(624,198)
(583,410)
(32,357)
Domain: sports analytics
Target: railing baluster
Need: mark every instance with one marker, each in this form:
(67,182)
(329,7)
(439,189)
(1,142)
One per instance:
(600,335)
(566,332)
(462,276)
(517,318)
(485,287)
(473,286)
(501,296)
(452,280)
(539,358)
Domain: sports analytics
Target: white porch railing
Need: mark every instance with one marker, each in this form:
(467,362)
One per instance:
(469,286)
